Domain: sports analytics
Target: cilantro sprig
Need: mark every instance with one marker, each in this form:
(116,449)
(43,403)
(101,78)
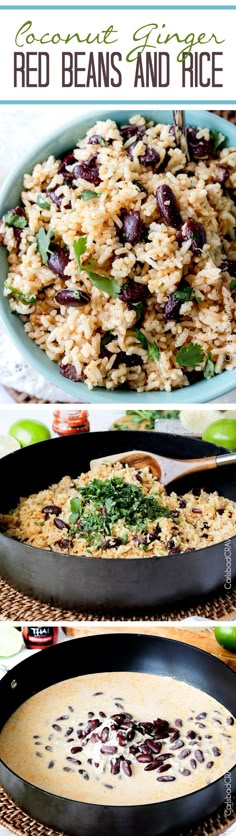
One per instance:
(12,219)
(151,348)
(103,283)
(102,504)
(89,194)
(25,298)
(190,355)
(209,370)
(43,239)
(217,140)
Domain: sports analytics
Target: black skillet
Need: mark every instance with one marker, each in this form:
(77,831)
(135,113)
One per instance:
(107,585)
(119,652)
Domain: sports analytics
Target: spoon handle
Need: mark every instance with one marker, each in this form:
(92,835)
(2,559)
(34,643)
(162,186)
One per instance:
(180,132)
(226,458)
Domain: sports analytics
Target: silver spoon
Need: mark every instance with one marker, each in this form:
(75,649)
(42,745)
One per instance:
(180,132)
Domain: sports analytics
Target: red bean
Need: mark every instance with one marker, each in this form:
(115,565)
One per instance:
(72,298)
(105,735)
(215,751)
(68,159)
(127,131)
(51,509)
(230,721)
(184,753)
(69,371)
(60,523)
(167,203)
(130,360)
(193,231)
(144,758)
(131,226)
(58,260)
(88,170)
(133,292)
(108,750)
(150,156)
(115,766)
(229,265)
(126,768)
(199,148)
(199,755)
(165,778)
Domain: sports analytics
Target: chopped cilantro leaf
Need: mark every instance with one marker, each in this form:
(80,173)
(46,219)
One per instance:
(151,348)
(80,246)
(190,355)
(12,219)
(88,194)
(218,139)
(109,286)
(209,370)
(103,283)
(44,204)
(184,294)
(43,241)
(233,284)
(105,503)
(25,298)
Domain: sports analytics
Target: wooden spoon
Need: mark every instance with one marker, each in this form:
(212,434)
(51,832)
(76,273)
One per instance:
(166,470)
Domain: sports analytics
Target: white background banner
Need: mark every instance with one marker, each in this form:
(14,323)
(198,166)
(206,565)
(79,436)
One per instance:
(102,55)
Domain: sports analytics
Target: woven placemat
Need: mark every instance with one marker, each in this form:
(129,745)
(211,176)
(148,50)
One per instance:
(15,606)
(18,822)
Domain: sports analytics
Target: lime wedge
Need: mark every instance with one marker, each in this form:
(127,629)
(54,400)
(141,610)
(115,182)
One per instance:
(197,421)
(10,641)
(8,445)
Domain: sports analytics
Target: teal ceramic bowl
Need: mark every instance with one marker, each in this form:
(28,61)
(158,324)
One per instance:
(57,143)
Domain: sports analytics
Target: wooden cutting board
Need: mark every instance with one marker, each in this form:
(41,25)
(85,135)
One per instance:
(200,637)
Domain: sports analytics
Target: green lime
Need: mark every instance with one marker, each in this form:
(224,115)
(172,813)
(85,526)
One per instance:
(8,445)
(226,636)
(222,432)
(10,641)
(29,432)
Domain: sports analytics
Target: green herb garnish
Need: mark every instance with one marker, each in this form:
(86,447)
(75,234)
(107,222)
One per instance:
(151,348)
(43,241)
(233,284)
(217,139)
(80,245)
(18,221)
(105,503)
(109,286)
(190,355)
(88,194)
(106,339)
(103,283)
(44,204)
(184,294)
(137,416)
(25,298)
(209,370)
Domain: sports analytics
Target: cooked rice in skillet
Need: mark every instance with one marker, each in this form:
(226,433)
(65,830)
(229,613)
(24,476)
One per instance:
(113,518)
(135,337)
